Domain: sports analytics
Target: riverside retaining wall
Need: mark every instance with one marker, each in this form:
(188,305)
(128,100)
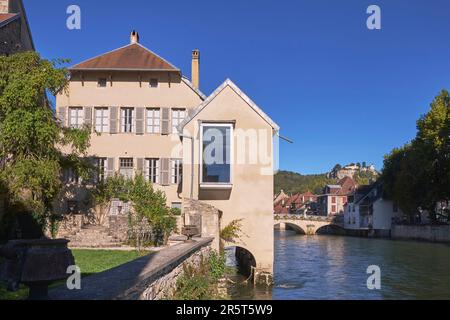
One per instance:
(424,233)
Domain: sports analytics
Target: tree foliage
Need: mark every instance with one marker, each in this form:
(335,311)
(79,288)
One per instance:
(149,207)
(292,182)
(417,175)
(31,140)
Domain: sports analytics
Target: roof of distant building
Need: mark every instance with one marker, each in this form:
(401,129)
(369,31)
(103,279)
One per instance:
(6,18)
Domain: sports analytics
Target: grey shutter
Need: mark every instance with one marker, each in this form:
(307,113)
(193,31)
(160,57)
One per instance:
(164,172)
(62,114)
(113,120)
(165,121)
(140,120)
(140,166)
(88,116)
(110,167)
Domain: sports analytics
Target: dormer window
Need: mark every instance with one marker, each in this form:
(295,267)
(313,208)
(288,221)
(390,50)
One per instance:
(101,83)
(153,83)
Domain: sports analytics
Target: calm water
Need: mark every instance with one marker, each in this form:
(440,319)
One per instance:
(334,267)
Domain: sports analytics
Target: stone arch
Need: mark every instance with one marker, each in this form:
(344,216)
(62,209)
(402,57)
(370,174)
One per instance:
(290,226)
(330,229)
(244,259)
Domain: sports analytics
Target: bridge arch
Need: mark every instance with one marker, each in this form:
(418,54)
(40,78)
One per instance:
(289,226)
(331,229)
(309,224)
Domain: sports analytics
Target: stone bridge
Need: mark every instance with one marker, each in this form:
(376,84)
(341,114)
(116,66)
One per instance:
(308,224)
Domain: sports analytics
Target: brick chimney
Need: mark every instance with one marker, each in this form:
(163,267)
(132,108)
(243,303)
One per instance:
(134,37)
(4,6)
(196,68)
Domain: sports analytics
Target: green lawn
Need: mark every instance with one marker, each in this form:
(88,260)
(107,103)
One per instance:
(89,261)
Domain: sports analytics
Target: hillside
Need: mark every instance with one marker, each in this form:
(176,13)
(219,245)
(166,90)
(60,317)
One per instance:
(292,182)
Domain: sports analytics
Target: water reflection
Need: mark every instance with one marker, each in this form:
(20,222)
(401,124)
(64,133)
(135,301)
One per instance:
(334,267)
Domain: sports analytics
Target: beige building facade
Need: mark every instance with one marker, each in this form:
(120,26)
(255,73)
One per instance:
(147,117)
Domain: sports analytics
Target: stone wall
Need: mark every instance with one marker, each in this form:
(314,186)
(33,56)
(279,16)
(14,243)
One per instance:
(70,225)
(165,287)
(205,217)
(10,37)
(150,277)
(425,233)
(118,227)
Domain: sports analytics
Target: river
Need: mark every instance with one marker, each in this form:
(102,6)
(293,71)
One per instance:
(334,267)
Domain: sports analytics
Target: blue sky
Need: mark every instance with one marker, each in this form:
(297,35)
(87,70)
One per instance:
(342,92)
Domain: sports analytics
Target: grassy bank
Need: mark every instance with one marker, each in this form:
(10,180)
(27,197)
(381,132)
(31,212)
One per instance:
(89,261)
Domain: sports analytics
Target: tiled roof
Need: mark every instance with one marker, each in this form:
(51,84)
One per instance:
(7,17)
(347,184)
(133,57)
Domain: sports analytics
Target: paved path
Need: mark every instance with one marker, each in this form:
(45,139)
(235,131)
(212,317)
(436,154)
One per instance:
(128,281)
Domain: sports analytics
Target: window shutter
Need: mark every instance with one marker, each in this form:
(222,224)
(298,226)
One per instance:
(110,167)
(140,166)
(113,120)
(164,172)
(88,116)
(62,114)
(165,121)
(140,120)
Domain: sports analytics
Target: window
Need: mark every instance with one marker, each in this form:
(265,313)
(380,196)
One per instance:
(176,166)
(76,119)
(176,205)
(333,199)
(127,119)
(101,83)
(152,170)
(153,120)
(126,167)
(178,116)
(333,209)
(101,168)
(216,153)
(153,83)
(101,120)
(72,176)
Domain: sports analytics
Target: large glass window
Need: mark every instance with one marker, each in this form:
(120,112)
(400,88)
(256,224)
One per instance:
(178,116)
(101,168)
(76,119)
(216,153)
(153,120)
(127,119)
(101,120)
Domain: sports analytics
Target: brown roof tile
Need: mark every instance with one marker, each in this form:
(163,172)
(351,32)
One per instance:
(131,57)
(7,16)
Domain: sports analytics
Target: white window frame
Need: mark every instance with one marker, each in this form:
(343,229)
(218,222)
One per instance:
(127,168)
(99,163)
(176,121)
(217,185)
(153,115)
(176,172)
(76,121)
(152,165)
(123,116)
(103,125)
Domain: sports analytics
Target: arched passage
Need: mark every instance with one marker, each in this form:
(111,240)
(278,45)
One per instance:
(331,229)
(240,258)
(289,226)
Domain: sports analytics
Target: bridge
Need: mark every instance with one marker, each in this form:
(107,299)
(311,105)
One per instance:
(308,224)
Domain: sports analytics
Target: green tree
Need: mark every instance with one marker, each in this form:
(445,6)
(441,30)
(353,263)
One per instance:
(417,175)
(30,139)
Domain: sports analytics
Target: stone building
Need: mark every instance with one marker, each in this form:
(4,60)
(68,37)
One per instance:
(147,117)
(15,34)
